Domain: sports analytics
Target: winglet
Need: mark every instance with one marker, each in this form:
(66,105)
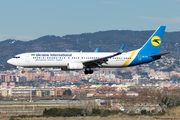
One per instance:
(96,50)
(122,49)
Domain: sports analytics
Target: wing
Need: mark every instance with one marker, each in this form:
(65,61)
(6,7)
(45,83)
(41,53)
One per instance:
(98,62)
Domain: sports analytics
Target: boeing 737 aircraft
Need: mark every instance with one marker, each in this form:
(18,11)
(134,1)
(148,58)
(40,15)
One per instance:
(86,60)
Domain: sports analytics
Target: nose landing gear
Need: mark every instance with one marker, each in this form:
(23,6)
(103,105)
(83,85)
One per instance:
(21,69)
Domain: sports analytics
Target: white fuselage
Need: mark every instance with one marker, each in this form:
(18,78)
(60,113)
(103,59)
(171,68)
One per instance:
(61,59)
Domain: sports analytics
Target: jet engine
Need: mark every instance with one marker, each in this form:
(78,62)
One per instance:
(74,66)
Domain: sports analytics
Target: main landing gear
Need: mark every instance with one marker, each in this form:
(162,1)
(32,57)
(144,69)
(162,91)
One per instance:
(22,71)
(88,71)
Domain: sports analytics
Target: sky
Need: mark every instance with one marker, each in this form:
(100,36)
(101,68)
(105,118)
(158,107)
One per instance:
(28,20)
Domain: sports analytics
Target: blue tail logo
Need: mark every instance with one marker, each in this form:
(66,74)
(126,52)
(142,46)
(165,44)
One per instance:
(156,41)
(150,50)
(153,45)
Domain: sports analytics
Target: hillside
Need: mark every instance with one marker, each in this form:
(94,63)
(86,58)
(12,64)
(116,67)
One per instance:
(87,42)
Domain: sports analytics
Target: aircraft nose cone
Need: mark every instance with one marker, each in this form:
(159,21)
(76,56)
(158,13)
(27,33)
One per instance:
(10,61)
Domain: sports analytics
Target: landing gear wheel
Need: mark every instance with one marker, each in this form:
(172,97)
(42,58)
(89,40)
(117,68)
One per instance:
(22,71)
(90,71)
(86,72)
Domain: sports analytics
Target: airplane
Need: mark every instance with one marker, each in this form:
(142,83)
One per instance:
(70,61)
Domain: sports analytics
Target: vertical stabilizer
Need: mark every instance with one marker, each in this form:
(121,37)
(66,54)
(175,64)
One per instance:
(153,45)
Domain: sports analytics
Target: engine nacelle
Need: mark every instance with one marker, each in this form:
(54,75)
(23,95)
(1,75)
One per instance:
(75,66)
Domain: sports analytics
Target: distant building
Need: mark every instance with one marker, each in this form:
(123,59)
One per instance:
(43,92)
(142,81)
(72,73)
(22,79)
(3,78)
(90,94)
(21,91)
(59,91)
(4,85)
(12,84)
(8,78)
(30,75)
(132,93)
(27,91)
(110,94)
(3,92)
(110,76)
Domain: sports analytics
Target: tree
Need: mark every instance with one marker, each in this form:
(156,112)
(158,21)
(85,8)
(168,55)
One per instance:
(170,100)
(67,93)
(143,112)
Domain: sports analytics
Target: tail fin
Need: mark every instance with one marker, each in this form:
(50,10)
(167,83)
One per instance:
(153,45)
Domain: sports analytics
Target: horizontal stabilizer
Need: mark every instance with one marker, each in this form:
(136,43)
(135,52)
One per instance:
(160,54)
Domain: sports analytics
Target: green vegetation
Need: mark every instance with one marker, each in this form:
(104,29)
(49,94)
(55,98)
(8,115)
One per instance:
(67,93)
(96,111)
(147,114)
(24,116)
(143,112)
(68,112)
(170,101)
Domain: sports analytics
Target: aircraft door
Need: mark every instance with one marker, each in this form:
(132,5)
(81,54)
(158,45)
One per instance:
(27,58)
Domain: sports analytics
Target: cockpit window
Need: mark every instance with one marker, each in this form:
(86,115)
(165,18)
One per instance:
(16,57)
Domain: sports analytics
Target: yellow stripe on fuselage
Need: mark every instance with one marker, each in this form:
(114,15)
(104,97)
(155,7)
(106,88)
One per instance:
(132,54)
